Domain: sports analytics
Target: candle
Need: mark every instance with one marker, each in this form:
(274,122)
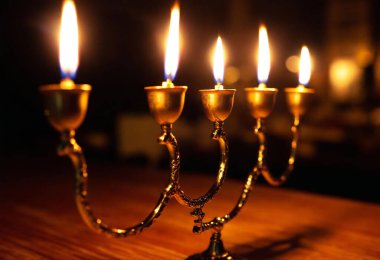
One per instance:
(263,64)
(68,44)
(172,47)
(299,98)
(66,103)
(304,68)
(261,99)
(166,101)
(219,64)
(218,102)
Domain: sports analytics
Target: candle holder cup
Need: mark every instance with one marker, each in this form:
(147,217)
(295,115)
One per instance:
(298,100)
(166,104)
(260,101)
(65,107)
(217,103)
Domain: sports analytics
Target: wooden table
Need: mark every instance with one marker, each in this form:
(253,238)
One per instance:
(39,219)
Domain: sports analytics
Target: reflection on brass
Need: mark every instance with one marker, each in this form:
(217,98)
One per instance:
(217,103)
(65,107)
(166,104)
(260,101)
(298,100)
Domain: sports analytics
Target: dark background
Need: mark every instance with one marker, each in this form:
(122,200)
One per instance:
(122,50)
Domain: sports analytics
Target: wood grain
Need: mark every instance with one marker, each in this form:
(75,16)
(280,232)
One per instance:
(39,220)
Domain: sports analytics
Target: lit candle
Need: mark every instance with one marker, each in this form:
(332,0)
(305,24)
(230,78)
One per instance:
(172,47)
(263,66)
(304,68)
(166,101)
(299,98)
(218,102)
(219,64)
(68,44)
(66,103)
(261,99)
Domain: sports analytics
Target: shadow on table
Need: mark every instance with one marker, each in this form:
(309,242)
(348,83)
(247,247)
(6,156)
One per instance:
(272,248)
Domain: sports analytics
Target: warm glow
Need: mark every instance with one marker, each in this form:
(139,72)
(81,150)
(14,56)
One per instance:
(219,62)
(304,67)
(345,76)
(232,75)
(68,40)
(292,63)
(172,45)
(263,66)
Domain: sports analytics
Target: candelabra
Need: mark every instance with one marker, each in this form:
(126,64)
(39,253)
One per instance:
(66,106)
(260,102)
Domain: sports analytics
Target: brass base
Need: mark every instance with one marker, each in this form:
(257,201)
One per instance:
(215,251)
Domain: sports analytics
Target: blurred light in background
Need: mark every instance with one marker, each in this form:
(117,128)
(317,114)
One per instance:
(345,78)
(232,75)
(292,63)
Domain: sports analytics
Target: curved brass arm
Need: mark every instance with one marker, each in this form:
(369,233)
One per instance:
(170,141)
(70,148)
(276,181)
(218,222)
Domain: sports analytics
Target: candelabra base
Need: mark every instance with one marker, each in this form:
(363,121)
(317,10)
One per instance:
(215,251)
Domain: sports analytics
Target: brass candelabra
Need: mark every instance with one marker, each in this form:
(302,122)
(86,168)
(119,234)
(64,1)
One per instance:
(260,102)
(66,106)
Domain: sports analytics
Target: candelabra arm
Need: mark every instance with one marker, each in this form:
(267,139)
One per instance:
(217,223)
(276,181)
(219,135)
(69,147)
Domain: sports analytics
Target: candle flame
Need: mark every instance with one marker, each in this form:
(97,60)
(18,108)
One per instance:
(304,66)
(219,62)
(263,66)
(172,47)
(68,40)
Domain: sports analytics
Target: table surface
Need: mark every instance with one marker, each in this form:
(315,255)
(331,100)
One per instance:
(39,219)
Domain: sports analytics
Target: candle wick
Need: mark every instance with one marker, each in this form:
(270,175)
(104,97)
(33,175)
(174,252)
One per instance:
(262,85)
(67,83)
(168,83)
(301,86)
(218,86)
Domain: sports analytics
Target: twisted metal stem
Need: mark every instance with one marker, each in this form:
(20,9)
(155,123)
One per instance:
(170,141)
(276,181)
(69,147)
(217,223)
